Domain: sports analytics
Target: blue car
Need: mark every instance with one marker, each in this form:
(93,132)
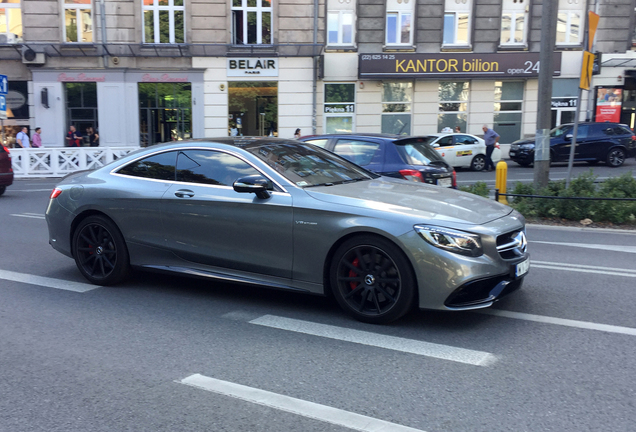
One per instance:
(611,143)
(398,156)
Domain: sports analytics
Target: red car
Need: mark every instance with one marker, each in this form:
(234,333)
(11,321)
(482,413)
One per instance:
(6,172)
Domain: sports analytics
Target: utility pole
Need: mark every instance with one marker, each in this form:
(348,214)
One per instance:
(549,9)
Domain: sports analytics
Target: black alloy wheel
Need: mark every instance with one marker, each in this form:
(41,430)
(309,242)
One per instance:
(615,157)
(100,251)
(372,280)
(478,163)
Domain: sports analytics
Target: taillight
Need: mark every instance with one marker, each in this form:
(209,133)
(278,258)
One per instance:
(55,193)
(412,175)
(7,148)
(454,179)
(633,137)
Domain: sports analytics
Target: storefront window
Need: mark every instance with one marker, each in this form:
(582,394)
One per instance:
(339,107)
(81,106)
(253,108)
(453,104)
(396,108)
(78,21)
(10,22)
(165,112)
(163,21)
(508,110)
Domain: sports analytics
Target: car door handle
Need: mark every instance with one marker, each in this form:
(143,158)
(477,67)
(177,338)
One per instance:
(184,193)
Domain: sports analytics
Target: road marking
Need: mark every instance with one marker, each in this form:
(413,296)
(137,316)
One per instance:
(581,229)
(296,406)
(583,268)
(559,321)
(46,281)
(444,352)
(30,215)
(611,248)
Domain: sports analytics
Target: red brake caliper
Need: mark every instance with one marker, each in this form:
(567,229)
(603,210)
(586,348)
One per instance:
(353,274)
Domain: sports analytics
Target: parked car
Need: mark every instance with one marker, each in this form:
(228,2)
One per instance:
(289,215)
(611,143)
(462,150)
(6,171)
(396,156)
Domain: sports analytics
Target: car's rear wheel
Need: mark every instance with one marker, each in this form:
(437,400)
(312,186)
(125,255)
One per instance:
(372,280)
(100,251)
(478,163)
(2,189)
(615,157)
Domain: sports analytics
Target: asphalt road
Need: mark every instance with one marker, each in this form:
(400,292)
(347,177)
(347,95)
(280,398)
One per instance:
(161,353)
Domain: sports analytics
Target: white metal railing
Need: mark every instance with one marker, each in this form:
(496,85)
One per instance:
(59,161)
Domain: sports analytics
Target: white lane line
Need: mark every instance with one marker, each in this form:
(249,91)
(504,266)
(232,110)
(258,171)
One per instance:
(46,281)
(444,352)
(296,406)
(559,321)
(26,215)
(583,269)
(611,248)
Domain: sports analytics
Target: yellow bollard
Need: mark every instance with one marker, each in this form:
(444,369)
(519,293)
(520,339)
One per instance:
(502,178)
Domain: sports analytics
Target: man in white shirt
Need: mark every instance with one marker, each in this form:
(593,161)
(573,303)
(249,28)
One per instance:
(22,139)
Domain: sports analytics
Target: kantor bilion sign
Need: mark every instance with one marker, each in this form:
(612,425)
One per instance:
(452,65)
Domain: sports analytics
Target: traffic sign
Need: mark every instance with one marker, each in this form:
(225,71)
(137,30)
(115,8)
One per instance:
(586,70)
(4,89)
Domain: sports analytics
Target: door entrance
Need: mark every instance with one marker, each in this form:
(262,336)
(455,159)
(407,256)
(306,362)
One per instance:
(253,108)
(165,112)
(81,107)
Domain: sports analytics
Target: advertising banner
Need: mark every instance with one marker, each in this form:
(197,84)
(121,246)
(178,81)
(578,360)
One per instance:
(609,101)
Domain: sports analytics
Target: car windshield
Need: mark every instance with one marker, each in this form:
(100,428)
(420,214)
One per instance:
(560,130)
(306,165)
(417,152)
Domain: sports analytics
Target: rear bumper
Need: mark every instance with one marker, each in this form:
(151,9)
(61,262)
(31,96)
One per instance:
(6,179)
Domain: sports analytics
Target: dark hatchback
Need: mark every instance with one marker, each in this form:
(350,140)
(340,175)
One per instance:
(611,143)
(6,172)
(398,156)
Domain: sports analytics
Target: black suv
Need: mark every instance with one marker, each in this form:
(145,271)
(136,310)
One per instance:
(611,143)
(397,156)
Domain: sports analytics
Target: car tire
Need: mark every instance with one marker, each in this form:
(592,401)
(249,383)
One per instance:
(478,163)
(371,279)
(524,164)
(100,251)
(2,189)
(615,157)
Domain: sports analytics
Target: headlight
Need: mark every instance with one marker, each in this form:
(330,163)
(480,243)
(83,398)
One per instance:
(526,146)
(451,240)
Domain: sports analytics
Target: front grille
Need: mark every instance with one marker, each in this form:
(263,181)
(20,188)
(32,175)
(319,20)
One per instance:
(512,245)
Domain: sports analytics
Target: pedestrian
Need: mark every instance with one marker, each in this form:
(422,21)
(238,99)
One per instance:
(492,138)
(297,134)
(93,137)
(37,139)
(22,138)
(458,129)
(73,137)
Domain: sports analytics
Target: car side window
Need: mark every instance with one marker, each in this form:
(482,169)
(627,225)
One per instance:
(318,142)
(357,151)
(582,131)
(445,141)
(211,167)
(464,139)
(160,167)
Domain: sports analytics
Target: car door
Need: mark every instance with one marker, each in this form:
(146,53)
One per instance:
(466,147)
(589,139)
(367,153)
(209,223)
(446,149)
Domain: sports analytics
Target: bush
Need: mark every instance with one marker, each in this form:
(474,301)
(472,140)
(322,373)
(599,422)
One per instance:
(479,188)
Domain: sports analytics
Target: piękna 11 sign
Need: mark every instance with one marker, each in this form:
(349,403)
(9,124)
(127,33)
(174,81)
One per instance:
(452,65)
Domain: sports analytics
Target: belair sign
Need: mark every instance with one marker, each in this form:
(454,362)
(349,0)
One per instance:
(252,66)
(452,65)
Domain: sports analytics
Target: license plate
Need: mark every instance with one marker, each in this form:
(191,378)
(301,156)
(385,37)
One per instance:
(512,153)
(444,182)
(522,268)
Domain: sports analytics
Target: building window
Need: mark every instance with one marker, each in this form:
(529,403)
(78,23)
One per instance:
(251,22)
(340,28)
(399,22)
(78,21)
(508,110)
(453,105)
(339,107)
(457,22)
(570,22)
(10,22)
(396,108)
(164,21)
(165,112)
(513,22)
(81,107)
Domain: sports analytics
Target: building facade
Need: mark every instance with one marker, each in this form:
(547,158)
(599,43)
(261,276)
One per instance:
(148,71)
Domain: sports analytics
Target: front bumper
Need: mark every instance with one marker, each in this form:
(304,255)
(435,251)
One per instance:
(482,293)
(521,156)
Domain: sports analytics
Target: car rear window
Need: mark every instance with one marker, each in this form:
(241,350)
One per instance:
(416,151)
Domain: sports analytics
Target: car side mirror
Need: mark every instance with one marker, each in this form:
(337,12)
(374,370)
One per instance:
(568,137)
(435,145)
(253,184)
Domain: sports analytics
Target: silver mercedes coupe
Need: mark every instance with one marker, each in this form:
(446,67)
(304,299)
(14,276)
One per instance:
(289,215)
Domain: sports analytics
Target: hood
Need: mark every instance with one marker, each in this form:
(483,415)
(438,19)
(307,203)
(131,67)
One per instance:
(433,204)
(524,141)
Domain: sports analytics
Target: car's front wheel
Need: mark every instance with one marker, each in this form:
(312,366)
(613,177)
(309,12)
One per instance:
(478,163)
(2,189)
(372,280)
(100,251)
(615,157)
